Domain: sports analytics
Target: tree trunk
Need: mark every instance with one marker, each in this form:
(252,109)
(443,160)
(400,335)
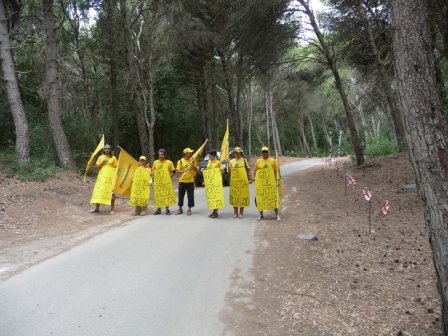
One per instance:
(425,127)
(266,99)
(250,117)
(54,92)
(113,54)
(305,145)
(137,94)
(276,137)
(384,82)
(331,60)
(313,134)
(22,145)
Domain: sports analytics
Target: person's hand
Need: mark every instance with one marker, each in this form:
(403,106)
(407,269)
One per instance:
(104,161)
(278,183)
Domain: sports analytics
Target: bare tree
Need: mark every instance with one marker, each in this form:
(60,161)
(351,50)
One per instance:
(332,63)
(426,130)
(54,91)
(12,90)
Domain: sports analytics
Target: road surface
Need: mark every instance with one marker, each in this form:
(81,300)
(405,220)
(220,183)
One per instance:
(158,275)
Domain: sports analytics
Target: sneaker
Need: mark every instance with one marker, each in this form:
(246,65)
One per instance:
(260,217)
(157,212)
(167,212)
(143,213)
(240,216)
(277,218)
(235,216)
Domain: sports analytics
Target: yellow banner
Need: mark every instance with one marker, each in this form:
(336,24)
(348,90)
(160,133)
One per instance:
(239,188)
(125,170)
(102,192)
(140,187)
(266,191)
(99,147)
(280,181)
(163,189)
(225,145)
(213,188)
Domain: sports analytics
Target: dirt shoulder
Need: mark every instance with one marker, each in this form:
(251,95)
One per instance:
(347,282)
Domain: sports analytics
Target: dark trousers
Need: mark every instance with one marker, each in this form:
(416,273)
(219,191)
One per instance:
(189,189)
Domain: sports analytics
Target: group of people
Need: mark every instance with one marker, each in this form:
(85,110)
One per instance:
(238,168)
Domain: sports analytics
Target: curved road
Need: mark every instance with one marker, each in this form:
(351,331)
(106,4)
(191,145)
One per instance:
(158,275)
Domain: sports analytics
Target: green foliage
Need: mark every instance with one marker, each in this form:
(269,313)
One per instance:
(39,169)
(379,146)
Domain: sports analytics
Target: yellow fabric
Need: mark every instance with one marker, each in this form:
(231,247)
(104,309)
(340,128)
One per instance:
(188,175)
(102,192)
(140,187)
(92,157)
(163,186)
(225,145)
(214,191)
(269,162)
(198,153)
(110,161)
(165,164)
(126,167)
(278,177)
(214,164)
(266,192)
(239,184)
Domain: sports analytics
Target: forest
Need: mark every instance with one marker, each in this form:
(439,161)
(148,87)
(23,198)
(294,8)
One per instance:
(363,78)
(169,73)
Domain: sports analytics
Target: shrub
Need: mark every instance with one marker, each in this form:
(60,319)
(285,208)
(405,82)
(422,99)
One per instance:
(379,147)
(37,170)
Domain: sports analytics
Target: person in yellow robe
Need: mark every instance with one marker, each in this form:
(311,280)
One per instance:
(106,159)
(142,210)
(187,171)
(168,166)
(240,178)
(267,162)
(214,163)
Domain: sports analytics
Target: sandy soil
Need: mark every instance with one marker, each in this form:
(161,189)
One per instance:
(348,282)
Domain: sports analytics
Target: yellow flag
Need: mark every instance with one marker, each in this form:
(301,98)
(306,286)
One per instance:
(278,178)
(92,157)
(213,188)
(102,192)
(125,170)
(140,187)
(199,151)
(225,144)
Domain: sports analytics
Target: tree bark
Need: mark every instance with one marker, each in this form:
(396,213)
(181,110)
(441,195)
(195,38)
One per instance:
(22,146)
(384,81)
(313,133)
(54,91)
(113,54)
(305,146)
(426,131)
(135,80)
(331,61)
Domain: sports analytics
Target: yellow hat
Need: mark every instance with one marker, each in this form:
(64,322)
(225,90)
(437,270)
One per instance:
(237,150)
(263,149)
(188,150)
(142,158)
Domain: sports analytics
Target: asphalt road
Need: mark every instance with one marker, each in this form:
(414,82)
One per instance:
(158,275)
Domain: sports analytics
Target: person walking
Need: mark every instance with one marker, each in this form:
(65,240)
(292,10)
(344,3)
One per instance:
(240,178)
(166,165)
(268,163)
(107,159)
(187,169)
(212,163)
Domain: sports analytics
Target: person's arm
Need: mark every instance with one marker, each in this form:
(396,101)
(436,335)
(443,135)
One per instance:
(172,169)
(179,169)
(249,172)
